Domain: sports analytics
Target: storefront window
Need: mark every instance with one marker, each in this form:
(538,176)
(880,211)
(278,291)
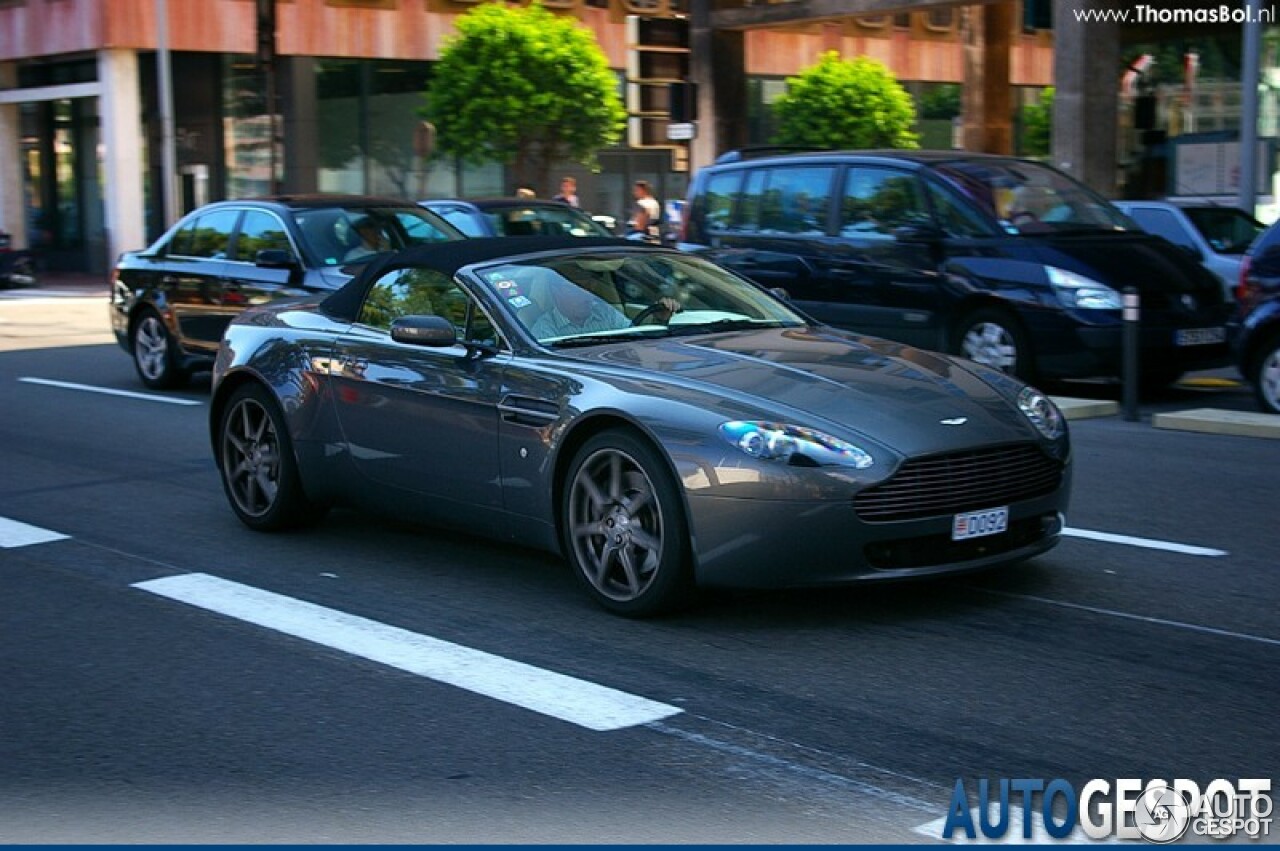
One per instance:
(368,116)
(247,130)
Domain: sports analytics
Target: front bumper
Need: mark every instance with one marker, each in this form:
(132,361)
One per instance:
(772,544)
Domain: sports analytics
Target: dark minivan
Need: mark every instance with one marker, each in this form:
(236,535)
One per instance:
(1006,261)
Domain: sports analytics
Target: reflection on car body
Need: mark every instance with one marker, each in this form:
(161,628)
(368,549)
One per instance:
(712,436)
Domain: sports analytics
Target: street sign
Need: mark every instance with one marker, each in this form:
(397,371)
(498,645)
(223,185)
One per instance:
(682,132)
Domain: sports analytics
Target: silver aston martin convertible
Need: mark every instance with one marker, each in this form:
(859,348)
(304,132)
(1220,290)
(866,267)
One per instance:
(660,421)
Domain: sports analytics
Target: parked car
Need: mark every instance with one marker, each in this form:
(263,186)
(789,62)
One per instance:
(17,267)
(1005,261)
(659,420)
(171,302)
(1256,333)
(516,217)
(1214,234)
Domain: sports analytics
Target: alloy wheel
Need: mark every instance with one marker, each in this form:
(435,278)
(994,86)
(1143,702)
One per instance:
(251,457)
(615,525)
(1269,380)
(151,348)
(992,345)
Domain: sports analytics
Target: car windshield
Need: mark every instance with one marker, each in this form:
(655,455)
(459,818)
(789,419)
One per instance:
(1027,198)
(336,236)
(585,299)
(543,220)
(1227,229)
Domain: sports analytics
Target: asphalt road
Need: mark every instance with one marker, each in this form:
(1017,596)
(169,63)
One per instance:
(831,716)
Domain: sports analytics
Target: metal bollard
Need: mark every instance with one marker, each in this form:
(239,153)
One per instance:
(1131,371)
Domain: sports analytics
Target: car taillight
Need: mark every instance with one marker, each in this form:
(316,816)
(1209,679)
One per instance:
(1246,288)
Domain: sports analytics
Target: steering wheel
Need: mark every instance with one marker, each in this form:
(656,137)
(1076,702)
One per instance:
(652,310)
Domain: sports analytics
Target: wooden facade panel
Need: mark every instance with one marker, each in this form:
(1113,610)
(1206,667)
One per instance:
(775,53)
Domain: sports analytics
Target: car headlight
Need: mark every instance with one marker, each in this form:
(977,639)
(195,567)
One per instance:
(793,444)
(1044,415)
(1075,290)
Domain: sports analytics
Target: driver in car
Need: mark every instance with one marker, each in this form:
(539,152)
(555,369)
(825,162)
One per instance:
(575,311)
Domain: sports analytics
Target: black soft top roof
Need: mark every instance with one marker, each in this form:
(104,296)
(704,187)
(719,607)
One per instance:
(449,257)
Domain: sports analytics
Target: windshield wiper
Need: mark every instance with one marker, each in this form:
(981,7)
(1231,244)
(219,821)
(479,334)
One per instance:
(718,325)
(601,339)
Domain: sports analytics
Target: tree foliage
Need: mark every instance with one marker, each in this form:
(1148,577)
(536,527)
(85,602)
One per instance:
(841,103)
(524,87)
(1037,123)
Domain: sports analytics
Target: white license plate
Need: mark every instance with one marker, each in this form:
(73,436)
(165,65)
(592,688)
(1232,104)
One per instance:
(1200,336)
(978,524)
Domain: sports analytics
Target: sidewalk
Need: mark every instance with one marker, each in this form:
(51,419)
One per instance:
(77,283)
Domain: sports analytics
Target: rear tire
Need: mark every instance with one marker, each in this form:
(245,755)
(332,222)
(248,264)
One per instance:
(623,528)
(994,337)
(155,352)
(1265,376)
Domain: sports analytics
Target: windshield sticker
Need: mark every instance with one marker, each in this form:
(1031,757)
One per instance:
(519,302)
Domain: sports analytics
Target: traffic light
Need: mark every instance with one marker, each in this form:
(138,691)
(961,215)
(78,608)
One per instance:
(658,87)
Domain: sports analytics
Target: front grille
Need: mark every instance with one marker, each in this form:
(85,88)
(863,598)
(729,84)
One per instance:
(960,481)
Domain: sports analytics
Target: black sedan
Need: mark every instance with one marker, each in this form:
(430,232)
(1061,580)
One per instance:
(516,217)
(654,417)
(171,302)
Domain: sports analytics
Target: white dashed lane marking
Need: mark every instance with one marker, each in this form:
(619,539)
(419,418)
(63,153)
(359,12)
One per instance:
(108,391)
(16,534)
(586,704)
(1147,543)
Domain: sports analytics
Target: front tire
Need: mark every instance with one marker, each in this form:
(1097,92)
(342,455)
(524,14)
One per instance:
(1266,375)
(623,527)
(994,338)
(258,467)
(155,352)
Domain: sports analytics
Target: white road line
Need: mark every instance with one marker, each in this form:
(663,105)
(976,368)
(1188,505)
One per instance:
(1193,627)
(149,397)
(15,534)
(577,701)
(1149,543)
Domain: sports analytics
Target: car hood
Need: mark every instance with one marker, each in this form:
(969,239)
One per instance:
(1159,270)
(907,399)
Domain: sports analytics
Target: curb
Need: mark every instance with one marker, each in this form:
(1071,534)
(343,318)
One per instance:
(1085,409)
(1215,421)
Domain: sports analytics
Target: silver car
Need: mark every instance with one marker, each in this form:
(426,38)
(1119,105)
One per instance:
(660,421)
(1216,235)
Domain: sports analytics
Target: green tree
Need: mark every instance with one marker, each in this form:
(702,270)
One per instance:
(841,103)
(526,88)
(1037,123)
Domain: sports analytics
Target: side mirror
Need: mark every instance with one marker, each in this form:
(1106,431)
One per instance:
(780,293)
(275,258)
(432,331)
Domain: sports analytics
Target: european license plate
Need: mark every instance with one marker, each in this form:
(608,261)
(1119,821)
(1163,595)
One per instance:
(1200,336)
(978,524)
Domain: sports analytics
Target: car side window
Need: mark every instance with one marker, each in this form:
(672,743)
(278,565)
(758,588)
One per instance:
(955,216)
(748,217)
(419,231)
(795,200)
(719,197)
(878,201)
(261,231)
(211,234)
(417,291)
(1162,223)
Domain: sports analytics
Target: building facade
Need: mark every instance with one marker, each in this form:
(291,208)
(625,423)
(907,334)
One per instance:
(81,136)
